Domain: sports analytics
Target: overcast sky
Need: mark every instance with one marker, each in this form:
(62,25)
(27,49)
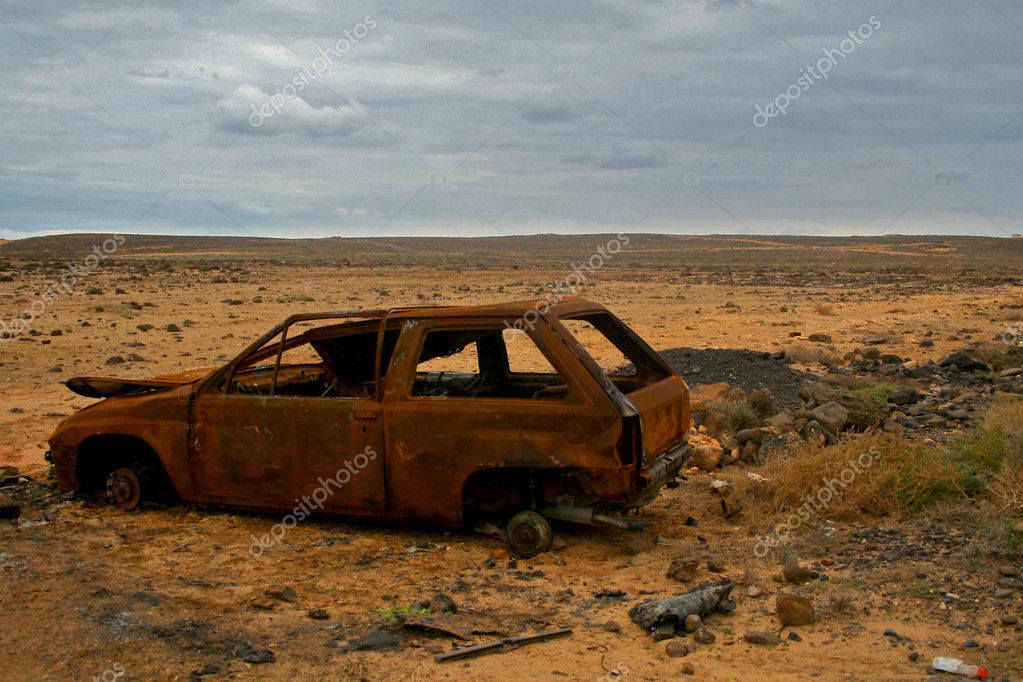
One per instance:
(489,117)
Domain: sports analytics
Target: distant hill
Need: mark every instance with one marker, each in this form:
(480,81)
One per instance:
(916,254)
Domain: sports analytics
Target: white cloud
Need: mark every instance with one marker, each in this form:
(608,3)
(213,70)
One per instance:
(251,111)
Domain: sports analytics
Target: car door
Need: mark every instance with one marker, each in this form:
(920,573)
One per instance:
(443,423)
(262,449)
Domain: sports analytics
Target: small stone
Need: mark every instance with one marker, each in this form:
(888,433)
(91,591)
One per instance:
(612,626)
(285,594)
(115,360)
(704,636)
(1007,619)
(683,569)
(380,640)
(904,396)
(318,614)
(1009,571)
(692,623)
(914,656)
(256,656)
(261,604)
(793,636)
(754,591)
(442,603)
(794,610)
(688,669)
(715,565)
(793,572)
(663,631)
(762,638)
(1018,527)
(173,328)
(676,648)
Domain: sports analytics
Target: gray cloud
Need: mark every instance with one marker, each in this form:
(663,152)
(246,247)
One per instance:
(550,113)
(550,117)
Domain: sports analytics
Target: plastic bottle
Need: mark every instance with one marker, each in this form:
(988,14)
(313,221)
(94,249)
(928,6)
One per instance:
(954,665)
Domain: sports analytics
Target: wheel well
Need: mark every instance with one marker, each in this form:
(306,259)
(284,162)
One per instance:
(98,456)
(501,491)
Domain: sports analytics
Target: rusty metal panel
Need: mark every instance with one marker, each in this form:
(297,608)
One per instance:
(270,451)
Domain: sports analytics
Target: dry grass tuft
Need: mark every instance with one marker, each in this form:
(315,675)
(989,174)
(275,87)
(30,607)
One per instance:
(1005,422)
(877,474)
(800,352)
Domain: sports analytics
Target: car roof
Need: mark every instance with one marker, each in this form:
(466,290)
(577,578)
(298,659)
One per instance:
(566,305)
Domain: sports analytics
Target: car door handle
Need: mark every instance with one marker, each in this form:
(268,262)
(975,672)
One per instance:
(366,415)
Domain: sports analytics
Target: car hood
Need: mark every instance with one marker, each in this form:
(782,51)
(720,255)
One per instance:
(106,387)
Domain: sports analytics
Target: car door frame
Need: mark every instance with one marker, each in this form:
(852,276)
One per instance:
(365,418)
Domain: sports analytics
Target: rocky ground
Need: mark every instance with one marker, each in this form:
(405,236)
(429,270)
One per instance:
(89,592)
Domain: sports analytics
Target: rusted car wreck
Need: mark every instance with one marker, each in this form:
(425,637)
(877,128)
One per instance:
(514,414)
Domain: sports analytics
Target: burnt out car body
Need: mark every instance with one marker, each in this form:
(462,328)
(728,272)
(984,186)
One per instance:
(442,415)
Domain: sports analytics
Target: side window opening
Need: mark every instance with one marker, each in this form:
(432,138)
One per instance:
(480,363)
(628,362)
(319,362)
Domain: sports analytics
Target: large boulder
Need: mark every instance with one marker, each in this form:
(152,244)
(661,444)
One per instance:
(864,413)
(965,362)
(707,456)
(818,393)
(833,416)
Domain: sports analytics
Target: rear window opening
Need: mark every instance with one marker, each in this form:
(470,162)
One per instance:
(621,355)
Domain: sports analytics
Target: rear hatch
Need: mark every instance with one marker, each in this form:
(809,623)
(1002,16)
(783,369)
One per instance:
(664,415)
(635,377)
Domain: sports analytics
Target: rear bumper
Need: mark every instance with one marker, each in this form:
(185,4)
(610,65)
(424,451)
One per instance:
(662,470)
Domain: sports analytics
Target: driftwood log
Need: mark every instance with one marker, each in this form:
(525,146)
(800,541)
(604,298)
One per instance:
(699,601)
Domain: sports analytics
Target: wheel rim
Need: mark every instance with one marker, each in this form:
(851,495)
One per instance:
(124,489)
(529,534)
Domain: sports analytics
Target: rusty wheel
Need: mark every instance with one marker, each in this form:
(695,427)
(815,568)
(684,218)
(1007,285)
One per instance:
(124,489)
(529,534)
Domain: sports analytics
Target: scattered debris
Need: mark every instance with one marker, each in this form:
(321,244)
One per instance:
(500,645)
(954,665)
(699,601)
